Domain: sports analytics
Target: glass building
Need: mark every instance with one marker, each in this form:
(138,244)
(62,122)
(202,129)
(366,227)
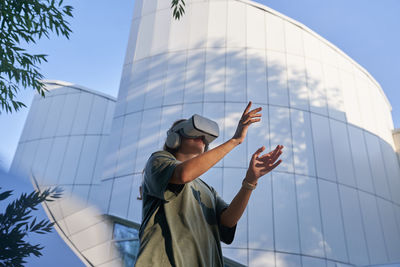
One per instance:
(335,199)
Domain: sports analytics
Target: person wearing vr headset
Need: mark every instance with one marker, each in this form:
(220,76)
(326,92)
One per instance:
(183,218)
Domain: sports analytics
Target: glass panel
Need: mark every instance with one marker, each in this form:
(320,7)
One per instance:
(238,156)
(303,150)
(213,177)
(258,135)
(101,154)
(108,117)
(279,120)
(40,117)
(41,158)
(390,230)
(198,24)
(377,165)
(342,153)
(323,147)
(170,114)
(195,71)
(335,244)
(373,230)
(97,113)
(28,157)
(316,87)
(293,38)
(285,260)
(110,160)
(238,255)
(132,41)
(261,258)
(189,109)
(135,206)
(298,91)
(392,170)
(360,159)
(285,214)
(260,216)
(214,90)
(350,97)
(277,79)
(275,32)
(334,93)
(312,262)
(179,35)
(55,160)
(162,32)
(82,113)
(236,32)
(137,88)
(87,160)
(235,75)
(128,147)
(53,117)
(217,24)
(312,46)
(175,79)
(144,39)
(256,76)
(215,112)
(255,31)
(311,235)
(156,81)
(149,135)
(353,225)
(365,101)
(121,191)
(232,182)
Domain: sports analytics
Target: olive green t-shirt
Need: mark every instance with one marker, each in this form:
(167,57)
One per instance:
(180,223)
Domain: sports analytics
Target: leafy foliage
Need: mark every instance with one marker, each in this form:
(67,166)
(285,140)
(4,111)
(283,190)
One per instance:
(178,7)
(16,223)
(27,21)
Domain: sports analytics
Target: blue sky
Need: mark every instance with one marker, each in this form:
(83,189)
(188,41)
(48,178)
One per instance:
(366,30)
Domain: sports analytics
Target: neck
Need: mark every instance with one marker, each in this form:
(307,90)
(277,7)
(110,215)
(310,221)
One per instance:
(184,156)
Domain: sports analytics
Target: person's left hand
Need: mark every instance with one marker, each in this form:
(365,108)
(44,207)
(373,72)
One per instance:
(260,166)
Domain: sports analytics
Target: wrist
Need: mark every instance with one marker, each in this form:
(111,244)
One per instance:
(247,185)
(235,141)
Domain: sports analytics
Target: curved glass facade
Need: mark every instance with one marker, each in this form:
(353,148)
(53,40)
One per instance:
(335,199)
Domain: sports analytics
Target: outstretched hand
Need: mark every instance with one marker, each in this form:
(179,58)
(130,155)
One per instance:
(260,166)
(248,117)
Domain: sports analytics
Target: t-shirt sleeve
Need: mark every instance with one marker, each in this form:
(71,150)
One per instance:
(227,234)
(158,172)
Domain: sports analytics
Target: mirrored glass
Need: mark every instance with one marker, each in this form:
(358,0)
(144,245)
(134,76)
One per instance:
(277,79)
(323,147)
(373,230)
(360,159)
(258,135)
(364,99)
(377,165)
(353,225)
(29,122)
(28,157)
(97,115)
(392,170)
(87,160)
(144,39)
(214,90)
(285,213)
(298,92)
(279,121)
(303,151)
(179,34)
(334,93)
(120,195)
(259,258)
(217,24)
(342,153)
(112,147)
(135,206)
(260,217)
(312,262)
(170,114)
(149,135)
(232,182)
(55,160)
(238,255)
(332,222)
(238,156)
(311,235)
(40,160)
(136,90)
(312,46)
(283,260)
(350,97)
(198,24)
(53,117)
(275,32)
(156,81)
(82,113)
(236,31)
(94,235)
(189,109)
(132,40)
(175,81)
(195,71)
(255,30)
(162,32)
(41,116)
(293,38)
(390,229)
(213,177)
(108,117)
(215,112)
(256,76)
(316,87)
(235,74)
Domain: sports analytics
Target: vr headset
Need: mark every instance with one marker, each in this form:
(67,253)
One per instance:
(195,127)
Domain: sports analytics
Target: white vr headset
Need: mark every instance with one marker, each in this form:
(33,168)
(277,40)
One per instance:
(196,126)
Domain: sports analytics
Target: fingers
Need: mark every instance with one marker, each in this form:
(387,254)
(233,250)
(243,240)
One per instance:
(258,152)
(247,109)
(273,154)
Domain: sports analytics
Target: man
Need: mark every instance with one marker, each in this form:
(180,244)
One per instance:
(184,219)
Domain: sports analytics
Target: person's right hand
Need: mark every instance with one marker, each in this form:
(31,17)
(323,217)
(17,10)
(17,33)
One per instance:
(248,117)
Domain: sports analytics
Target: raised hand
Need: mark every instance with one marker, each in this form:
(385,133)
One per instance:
(248,117)
(260,166)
